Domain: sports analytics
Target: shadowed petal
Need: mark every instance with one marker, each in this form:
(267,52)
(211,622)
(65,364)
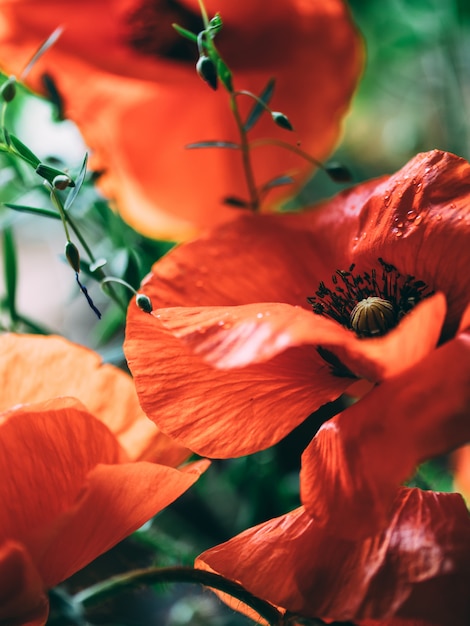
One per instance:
(72,495)
(56,367)
(417,568)
(351,468)
(23,601)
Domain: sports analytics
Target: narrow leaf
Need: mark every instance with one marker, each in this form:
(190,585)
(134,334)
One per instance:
(235,202)
(34,210)
(78,185)
(279,181)
(213,144)
(10,271)
(265,96)
(50,41)
(24,151)
(185,33)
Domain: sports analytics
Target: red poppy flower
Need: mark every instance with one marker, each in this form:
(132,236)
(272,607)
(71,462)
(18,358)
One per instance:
(79,472)
(129,81)
(242,359)
(416,569)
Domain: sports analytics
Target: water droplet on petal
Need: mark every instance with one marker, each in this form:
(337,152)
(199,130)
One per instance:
(418,219)
(411,215)
(259,315)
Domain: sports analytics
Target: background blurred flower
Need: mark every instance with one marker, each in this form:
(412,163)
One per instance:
(129,81)
(242,360)
(416,569)
(74,482)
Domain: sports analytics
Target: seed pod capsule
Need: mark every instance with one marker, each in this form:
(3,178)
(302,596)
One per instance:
(373,317)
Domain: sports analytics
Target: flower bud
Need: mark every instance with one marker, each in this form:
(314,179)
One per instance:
(338,173)
(207,71)
(73,256)
(8,89)
(144,303)
(281,120)
(62,181)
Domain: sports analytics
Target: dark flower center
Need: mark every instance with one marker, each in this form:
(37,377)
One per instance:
(149,30)
(370,304)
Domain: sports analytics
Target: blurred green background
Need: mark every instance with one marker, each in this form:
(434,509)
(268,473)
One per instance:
(414,96)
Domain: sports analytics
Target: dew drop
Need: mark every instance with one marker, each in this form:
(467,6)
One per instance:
(418,219)
(387,199)
(221,323)
(438,217)
(397,232)
(259,315)
(411,215)
(400,225)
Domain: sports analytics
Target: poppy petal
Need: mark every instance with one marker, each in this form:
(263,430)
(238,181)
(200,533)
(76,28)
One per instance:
(69,369)
(114,502)
(72,471)
(417,568)
(23,601)
(224,413)
(423,207)
(351,468)
(229,337)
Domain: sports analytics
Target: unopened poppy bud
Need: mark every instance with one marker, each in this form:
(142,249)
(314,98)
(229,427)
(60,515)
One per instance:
(373,317)
(8,89)
(281,120)
(207,71)
(144,303)
(73,256)
(62,181)
(338,173)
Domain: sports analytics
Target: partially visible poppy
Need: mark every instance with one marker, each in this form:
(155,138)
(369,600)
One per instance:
(242,359)
(129,81)
(78,473)
(415,572)
(462,471)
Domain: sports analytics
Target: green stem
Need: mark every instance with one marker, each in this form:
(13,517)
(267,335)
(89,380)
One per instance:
(108,588)
(243,92)
(246,157)
(257,143)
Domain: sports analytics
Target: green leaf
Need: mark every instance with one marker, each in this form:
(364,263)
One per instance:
(50,41)
(279,181)
(10,271)
(185,33)
(24,151)
(225,74)
(78,184)
(213,144)
(34,210)
(50,173)
(257,110)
